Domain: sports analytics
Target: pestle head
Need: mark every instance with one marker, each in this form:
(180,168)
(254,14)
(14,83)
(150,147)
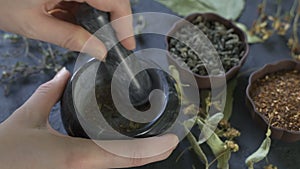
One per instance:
(140,89)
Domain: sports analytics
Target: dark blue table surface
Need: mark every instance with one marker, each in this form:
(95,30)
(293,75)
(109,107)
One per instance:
(283,155)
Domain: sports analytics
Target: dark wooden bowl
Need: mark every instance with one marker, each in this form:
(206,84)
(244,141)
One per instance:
(205,81)
(277,133)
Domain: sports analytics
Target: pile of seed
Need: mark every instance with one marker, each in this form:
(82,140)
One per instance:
(277,97)
(228,45)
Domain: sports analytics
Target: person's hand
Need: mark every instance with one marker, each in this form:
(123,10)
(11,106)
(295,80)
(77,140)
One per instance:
(27,140)
(51,21)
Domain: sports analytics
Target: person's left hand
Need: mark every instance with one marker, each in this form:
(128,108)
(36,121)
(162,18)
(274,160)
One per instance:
(27,140)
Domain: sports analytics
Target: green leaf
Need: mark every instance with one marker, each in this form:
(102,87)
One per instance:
(175,74)
(230,9)
(250,37)
(220,151)
(229,99)
(196,147)
(217,146)
(209,126)
(260,153)
(189,123)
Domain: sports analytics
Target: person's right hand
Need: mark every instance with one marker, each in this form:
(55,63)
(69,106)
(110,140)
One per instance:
(27,141)
(51,21)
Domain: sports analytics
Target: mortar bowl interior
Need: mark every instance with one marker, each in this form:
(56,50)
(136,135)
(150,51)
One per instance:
(89,111)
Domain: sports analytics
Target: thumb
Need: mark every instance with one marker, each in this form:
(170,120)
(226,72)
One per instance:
(35,111)
(68,35)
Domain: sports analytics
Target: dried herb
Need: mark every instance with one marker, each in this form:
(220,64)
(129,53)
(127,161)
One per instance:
(221,150)
(294,42)
(228,45)
(44,58)
(216,132)
(110,112)
(278,22)
(261,152)
(277,97)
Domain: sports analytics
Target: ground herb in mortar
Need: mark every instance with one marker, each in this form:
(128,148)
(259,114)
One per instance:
(229,46)
(277,97)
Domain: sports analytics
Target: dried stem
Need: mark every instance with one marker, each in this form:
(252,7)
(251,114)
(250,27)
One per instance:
(279,8)
(293,8)
(219,156)
(181,154)
(49,62)
(295,50)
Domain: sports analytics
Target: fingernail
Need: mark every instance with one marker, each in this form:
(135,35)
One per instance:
(129,43)
(61,72)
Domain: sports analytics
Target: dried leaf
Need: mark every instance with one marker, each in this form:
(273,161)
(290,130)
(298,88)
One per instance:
(230,9)
(250,37)
(261,152)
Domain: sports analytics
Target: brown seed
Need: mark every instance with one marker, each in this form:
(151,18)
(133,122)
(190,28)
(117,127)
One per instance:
(276,95)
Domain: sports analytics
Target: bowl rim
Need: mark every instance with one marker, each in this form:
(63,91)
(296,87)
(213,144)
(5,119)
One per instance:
(251,81)
(145,131)
(219,18)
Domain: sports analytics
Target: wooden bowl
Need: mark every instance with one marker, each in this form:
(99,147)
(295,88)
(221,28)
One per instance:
(205,81)
(277,133)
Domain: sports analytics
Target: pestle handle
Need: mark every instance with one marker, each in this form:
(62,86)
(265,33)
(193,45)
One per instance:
(92,20)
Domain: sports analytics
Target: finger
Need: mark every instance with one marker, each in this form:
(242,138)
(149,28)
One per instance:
(119,162)
(132,153)
(125,33)
(121,13)
(142,148)
(63,15)
(121,17)
(126,153)
(68,35)
(63,10)
(36,109)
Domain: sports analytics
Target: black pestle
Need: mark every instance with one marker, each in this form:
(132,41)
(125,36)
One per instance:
(140,85)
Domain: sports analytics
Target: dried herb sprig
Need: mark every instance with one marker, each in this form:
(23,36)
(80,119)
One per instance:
(220,140)
(279,23)
(294,40)
(46,60)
